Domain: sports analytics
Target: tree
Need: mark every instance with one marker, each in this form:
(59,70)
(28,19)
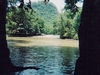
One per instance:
(89,39)
(21,23)
(6,65)
(67,24)
(88,62)
(5,61)
(76,22)
(73,18)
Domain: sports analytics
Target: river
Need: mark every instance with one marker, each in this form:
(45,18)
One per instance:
(53,55)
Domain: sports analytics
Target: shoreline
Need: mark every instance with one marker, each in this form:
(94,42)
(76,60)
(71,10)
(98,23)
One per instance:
(44,40)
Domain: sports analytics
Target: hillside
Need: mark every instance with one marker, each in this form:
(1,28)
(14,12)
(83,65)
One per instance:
(48,11)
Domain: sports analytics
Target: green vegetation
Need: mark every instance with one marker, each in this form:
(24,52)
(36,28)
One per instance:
(48,12)
(21,23)
(45,19)
(67,24)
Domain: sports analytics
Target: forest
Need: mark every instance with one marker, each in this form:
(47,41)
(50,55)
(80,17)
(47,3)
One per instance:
(88,62)
(45,19)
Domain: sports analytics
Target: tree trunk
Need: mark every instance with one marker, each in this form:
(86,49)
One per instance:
(6,65)
(89,39)
(4,51)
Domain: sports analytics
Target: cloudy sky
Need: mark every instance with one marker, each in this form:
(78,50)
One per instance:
(59,3)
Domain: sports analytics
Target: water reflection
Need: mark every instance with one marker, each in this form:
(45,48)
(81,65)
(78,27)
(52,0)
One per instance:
(53,60)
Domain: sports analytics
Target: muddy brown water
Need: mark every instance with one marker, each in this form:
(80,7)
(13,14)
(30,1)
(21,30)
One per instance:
(53,55)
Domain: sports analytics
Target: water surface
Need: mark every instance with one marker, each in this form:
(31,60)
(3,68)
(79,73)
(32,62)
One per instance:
(53,57)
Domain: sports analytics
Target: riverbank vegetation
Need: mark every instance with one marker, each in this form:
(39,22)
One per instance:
(45,19)
(67,24)
(21,23)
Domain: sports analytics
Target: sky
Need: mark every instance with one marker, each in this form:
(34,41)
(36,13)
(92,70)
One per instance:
(79,4)
(59,3)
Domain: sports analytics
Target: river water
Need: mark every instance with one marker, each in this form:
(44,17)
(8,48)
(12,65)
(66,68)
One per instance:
(52,55)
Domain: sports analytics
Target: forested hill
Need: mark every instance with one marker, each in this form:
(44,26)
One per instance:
(47,11)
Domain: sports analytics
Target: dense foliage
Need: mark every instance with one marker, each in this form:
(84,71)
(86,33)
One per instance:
(21,23)
(69,20)
(67,24)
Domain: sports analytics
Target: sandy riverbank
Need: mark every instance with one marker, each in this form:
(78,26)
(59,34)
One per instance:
(45,40)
